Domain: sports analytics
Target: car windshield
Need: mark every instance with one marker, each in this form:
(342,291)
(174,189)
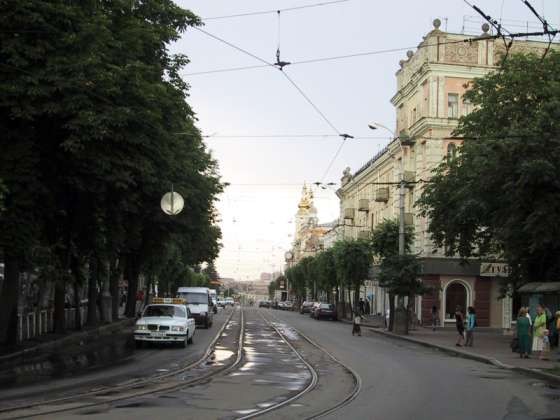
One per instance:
(194,297)
(326,306)
(164,310)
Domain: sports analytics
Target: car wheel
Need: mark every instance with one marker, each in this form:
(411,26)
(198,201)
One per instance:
(138,344)
(206,323)
(183,343)
(190,340)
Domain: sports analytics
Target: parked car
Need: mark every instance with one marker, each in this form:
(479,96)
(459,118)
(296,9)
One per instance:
(288,305)
(325,310)
(166,320)
(306,307)
(264,304)
(229,301)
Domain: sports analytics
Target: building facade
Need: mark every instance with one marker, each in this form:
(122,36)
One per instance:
(429,101)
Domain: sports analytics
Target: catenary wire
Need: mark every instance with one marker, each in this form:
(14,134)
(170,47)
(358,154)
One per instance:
(301,92)
(368,53)
(268,12)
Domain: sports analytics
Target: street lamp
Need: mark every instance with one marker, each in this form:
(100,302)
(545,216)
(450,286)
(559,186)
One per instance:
(375,126)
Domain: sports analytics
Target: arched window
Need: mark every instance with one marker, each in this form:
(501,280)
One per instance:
(455,295)
(451,152)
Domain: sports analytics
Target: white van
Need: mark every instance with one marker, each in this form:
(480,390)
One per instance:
(199,303)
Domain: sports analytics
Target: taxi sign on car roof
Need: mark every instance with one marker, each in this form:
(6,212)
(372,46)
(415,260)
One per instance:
(174,301)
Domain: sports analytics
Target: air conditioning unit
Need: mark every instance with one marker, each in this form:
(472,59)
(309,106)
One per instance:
(382,195)
(349,214)
(364,234)
(409,219)
(363,205)
(409,176)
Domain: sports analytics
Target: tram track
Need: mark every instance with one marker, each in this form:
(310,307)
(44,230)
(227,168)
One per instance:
(329,410)
(136,388)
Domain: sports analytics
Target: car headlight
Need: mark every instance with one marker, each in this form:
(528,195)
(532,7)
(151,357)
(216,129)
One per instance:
(141,327)
(177,328)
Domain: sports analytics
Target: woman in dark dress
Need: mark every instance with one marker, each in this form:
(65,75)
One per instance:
(523,334)
(460,324)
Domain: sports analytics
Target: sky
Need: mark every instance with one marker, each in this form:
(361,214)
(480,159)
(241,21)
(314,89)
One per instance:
(266,174)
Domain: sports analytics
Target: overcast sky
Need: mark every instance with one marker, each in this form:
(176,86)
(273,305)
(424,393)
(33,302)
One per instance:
(267,174)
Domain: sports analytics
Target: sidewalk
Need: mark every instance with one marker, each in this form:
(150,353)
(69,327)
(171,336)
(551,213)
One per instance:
(490,346)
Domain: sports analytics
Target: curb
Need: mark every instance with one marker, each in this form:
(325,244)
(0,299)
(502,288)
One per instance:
(476,357)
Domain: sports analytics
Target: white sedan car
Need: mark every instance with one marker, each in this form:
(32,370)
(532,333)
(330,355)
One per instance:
(165,321)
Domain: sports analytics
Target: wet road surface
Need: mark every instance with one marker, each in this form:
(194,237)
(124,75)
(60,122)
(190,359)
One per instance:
(404,381)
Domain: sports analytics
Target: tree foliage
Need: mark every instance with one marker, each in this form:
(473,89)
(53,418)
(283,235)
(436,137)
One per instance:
(95,128)
(500,197)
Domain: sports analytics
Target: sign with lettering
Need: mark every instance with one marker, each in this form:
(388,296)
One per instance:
(488,269)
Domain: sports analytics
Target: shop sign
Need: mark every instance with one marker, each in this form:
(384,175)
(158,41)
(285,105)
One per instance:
(488,269)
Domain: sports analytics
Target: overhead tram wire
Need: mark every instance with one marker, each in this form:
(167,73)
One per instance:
(280,67)
(377,52)
(291,136)
(268,12)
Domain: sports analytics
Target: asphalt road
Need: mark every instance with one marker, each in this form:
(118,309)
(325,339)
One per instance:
(399,380)
(144,362)
(405,381)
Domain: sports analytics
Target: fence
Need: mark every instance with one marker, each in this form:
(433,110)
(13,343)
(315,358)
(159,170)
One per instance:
(40,322)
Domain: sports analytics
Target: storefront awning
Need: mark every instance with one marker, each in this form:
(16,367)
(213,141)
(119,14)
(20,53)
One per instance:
(536,287)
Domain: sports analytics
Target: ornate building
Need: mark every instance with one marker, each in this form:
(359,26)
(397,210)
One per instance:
(429,100)
(309,233)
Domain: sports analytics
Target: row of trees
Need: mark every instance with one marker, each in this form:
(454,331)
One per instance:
(339,272)
(95,129)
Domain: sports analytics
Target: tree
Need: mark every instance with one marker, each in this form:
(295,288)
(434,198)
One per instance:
(500,196)
(353,259)
(210,271)
(90,116)
(325,272)
(398,274)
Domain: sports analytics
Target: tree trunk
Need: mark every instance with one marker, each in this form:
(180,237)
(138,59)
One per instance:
(391,311)
(78,305)
(59,305)
(114,287)
(79,281)
(9,301)
(343,301)
(92,293)
(357,296)
(131,273)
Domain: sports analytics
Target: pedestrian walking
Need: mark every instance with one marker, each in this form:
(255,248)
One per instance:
(367,307)
(471,325)
(523,334)
(362,306)
(460,325)
(549,318)
(387,318)
(435,317)
(554,330)
(356,329)
(539,326)
(546,345)
(528,315)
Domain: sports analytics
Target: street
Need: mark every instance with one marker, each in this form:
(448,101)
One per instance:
(280,374)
